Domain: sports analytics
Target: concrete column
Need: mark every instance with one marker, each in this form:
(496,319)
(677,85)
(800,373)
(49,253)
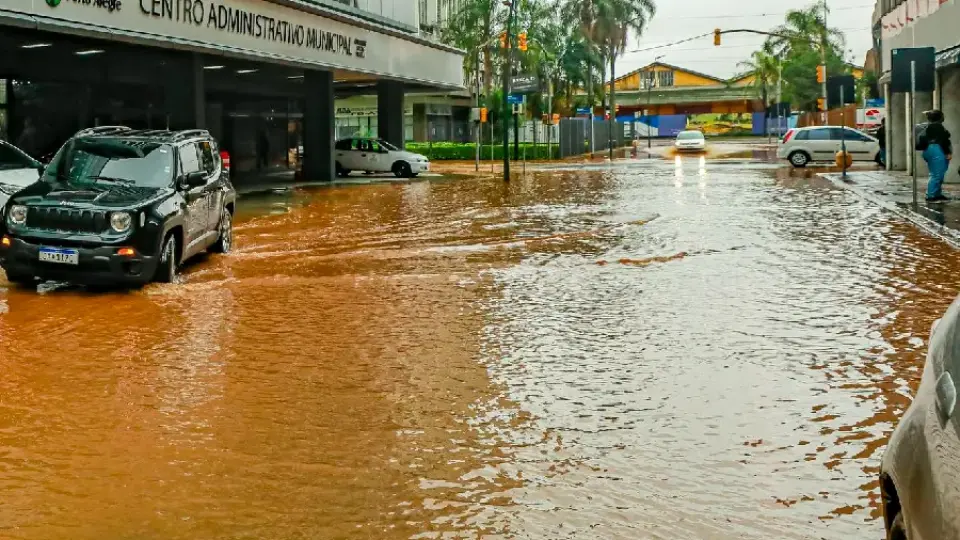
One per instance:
(420,122)
(319,121)
(185,94)
(950,105)
(924,103)
(896,131)
(390,112)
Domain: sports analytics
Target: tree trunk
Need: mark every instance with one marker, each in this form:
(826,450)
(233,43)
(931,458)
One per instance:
(487,72)
(613,105)
(766,112)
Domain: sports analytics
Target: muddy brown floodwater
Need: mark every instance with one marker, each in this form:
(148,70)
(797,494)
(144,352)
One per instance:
(689,349)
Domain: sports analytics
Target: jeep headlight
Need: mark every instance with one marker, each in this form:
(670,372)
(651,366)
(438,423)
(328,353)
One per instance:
(18,214)
(120,221)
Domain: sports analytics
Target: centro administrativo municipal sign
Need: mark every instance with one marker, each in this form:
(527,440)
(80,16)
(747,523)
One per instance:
(276,31)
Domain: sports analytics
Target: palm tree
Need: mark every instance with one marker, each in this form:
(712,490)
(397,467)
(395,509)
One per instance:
(802,29)
(765,68)
(473,29)
(607,24)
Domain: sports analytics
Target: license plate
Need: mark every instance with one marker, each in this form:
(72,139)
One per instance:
(59,256)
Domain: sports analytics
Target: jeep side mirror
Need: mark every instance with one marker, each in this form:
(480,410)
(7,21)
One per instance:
(195,179)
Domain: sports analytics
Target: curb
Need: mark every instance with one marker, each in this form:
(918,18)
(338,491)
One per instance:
(925,224)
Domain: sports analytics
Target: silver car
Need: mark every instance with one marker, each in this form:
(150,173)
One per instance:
(800,146)
(920,470)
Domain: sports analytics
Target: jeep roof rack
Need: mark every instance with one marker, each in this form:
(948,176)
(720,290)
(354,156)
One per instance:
(101,130)
(189,133)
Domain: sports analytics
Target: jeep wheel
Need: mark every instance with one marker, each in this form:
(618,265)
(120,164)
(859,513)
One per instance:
(224,242)
(799,159)
(401,169)
(167,269)
(341,171)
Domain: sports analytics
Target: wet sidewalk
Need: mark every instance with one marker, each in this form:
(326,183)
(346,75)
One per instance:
(893,190)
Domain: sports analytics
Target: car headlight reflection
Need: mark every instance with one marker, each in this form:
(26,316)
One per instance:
(120,221)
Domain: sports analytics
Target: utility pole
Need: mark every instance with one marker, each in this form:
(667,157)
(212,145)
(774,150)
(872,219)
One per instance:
(823,60)
(479,123)
(507,71)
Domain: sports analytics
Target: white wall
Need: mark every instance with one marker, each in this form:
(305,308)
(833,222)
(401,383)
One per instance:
(939,30)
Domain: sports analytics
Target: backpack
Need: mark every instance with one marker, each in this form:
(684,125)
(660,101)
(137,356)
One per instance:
(923,142)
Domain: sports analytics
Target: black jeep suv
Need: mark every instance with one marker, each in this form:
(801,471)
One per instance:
(119,206)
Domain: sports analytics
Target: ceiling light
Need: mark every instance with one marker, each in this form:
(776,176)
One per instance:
(213,67)
(295,77)
(36,45)
(245,71)
(89,52)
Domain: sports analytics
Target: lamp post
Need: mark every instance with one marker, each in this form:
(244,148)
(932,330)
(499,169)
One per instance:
(507,71)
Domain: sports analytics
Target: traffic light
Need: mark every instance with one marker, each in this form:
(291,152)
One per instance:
(503,40)
(716,37)
(821,74)
(483,115)
(522,41)
(821,104)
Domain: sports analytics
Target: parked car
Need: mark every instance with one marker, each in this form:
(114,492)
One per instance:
(690,141)
(17,171)
(821,143)
(119,206)
(377,155)
(920,470)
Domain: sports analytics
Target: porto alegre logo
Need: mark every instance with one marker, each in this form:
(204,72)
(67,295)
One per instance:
(53,3)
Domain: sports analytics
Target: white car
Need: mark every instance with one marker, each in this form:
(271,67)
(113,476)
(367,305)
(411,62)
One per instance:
(690,141)
(821,143)
(17,171)
(377,155)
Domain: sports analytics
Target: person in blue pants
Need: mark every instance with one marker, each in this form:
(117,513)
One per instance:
(937,148)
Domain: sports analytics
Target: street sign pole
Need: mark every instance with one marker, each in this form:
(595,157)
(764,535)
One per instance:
(913,130)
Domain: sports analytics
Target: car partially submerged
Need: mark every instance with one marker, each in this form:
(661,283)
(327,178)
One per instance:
(920,470)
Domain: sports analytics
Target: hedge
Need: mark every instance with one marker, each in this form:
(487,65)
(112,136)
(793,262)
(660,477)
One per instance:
(468,151)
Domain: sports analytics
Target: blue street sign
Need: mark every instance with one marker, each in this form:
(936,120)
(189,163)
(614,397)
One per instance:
(583,110)
(875,103)
(514,99)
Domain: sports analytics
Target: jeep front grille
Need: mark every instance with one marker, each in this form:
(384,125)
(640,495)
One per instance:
(67,219)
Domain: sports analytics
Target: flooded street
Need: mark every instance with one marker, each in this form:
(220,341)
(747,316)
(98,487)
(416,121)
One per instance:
(689,348)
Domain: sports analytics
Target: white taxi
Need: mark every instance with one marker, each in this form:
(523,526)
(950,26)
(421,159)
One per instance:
(377,155)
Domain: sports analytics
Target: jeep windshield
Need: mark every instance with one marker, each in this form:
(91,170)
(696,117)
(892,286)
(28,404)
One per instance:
(86,162)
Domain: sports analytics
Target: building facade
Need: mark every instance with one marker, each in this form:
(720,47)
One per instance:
(253,72)
(918,23)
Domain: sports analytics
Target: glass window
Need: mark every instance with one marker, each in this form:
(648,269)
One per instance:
(822,134)
(208,158)
(11,158)
(689,136)
(387,145)
(189,160)
(343,144)
(90,161)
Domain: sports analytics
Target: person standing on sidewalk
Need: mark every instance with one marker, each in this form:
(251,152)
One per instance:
(937,149)
(882,139)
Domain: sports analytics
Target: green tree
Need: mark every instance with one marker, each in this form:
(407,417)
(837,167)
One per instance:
(765,68)
(800,43)
(607,25)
